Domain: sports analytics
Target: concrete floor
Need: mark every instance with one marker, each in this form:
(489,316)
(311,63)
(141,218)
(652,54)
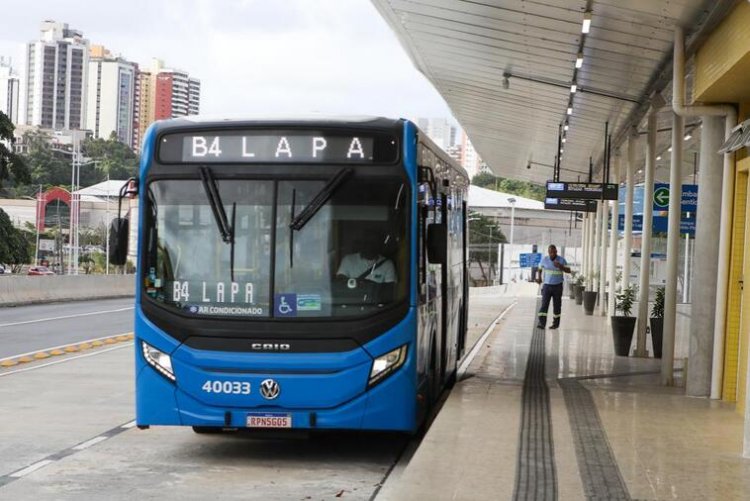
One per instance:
(664,445)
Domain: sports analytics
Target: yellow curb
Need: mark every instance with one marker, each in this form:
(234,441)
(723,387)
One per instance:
(97,343)
(57,352)
(8,363)
(25,360)
(122,338)
(41,355)
(72,349)
(130,336)
(110,341)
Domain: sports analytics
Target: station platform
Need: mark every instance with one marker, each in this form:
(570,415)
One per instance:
(554,414)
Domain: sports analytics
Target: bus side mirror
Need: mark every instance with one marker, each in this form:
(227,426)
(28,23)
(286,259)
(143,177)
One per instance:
(119,232)
(437,244)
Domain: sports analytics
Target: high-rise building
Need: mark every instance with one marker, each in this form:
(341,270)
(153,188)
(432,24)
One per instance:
(56,77)
(111,96)
(439,130)
(165,93)
(470,158)
(10,88)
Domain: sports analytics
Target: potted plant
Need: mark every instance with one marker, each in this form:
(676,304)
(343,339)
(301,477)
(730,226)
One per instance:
(572,285)
(590,297)
(657,321)
(579,287)
(623,325)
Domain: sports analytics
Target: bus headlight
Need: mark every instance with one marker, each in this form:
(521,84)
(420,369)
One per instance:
(158,360)
(386,364)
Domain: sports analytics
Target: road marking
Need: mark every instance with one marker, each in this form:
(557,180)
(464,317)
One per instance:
(60,455)
(61,350)
(31,469)
(478,345)
(89,443)
(49,319)
(34,367)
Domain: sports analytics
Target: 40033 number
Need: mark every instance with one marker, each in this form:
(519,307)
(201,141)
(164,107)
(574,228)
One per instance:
(228,387)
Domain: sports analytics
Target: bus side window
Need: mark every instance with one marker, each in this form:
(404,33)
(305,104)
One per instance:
(426,203)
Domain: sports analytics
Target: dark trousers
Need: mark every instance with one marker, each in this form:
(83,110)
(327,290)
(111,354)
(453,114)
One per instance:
(553,292)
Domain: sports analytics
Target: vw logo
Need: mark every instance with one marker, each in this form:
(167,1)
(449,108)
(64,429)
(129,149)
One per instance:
(269,389)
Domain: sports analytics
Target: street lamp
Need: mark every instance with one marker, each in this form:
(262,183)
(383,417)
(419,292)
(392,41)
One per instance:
(512,202)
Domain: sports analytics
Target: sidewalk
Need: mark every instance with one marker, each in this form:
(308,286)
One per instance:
(501,433)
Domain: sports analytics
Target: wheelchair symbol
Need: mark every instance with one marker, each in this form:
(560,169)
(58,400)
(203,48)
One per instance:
(284,307)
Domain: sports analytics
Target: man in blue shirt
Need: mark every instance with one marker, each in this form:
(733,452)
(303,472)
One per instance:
(553,267)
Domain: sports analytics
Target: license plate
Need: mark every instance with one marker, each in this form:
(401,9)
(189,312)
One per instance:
(269,420)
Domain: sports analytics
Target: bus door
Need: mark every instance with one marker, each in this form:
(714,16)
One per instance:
(429,280)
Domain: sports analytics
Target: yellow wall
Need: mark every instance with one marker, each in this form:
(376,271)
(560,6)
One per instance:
(722,75)
(733,385)
(722,65)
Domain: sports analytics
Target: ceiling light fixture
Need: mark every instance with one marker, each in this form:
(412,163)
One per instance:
(689,135)
(570,110)
(573,88)
(658,158)
(563,140)
(586,22)
(579,60)
(566,127)
(669,149)
(506,81)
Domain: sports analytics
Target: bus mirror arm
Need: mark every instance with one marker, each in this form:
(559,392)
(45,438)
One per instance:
(437,243)
(119,230)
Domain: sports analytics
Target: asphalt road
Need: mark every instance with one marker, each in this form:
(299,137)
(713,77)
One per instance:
(24,329)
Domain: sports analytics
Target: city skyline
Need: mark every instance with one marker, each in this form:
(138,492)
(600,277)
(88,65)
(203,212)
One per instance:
(254,58)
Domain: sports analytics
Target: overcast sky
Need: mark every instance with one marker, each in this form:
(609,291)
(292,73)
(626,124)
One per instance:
(252,56)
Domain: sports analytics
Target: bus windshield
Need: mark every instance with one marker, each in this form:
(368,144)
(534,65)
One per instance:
(348,259)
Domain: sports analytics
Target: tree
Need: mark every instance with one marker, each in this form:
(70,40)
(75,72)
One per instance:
(484,236)
(113,158)
(511,186)
(14,247)
(48,167)
(12,166)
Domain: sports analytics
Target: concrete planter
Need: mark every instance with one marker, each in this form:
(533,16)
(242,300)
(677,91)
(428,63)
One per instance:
(657,331)
(579,293)
(589,301)
(622,334)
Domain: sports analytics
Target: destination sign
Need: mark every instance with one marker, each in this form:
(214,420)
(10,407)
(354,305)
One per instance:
(285,147)
(582,191)
(570,205)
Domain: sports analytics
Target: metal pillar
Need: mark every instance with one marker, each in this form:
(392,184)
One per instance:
(627,239)
(613,234)
(587,248)
(648,210)
(673,251)
(603,257)
(706,236)
(597,229)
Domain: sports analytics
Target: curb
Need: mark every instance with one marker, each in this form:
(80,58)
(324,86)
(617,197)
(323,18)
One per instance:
(64,350)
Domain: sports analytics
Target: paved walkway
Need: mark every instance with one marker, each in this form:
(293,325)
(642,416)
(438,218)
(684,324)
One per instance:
(555,415)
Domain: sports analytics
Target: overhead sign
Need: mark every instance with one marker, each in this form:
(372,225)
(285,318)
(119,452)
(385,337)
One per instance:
(688,202)
(530,259)
(570,205)
(660,224)
(582,191)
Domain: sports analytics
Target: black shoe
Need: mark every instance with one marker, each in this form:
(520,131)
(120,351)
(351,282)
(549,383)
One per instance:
(555,326)
(539,326)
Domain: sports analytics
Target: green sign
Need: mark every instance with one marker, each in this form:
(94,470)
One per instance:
(661,197)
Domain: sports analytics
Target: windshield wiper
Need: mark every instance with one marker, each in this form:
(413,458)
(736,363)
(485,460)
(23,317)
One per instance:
(217,207)
(301,219)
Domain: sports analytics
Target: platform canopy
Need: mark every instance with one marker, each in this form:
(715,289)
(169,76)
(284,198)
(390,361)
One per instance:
(506,67)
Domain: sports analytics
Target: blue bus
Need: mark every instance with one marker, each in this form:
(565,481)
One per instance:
(296,274)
